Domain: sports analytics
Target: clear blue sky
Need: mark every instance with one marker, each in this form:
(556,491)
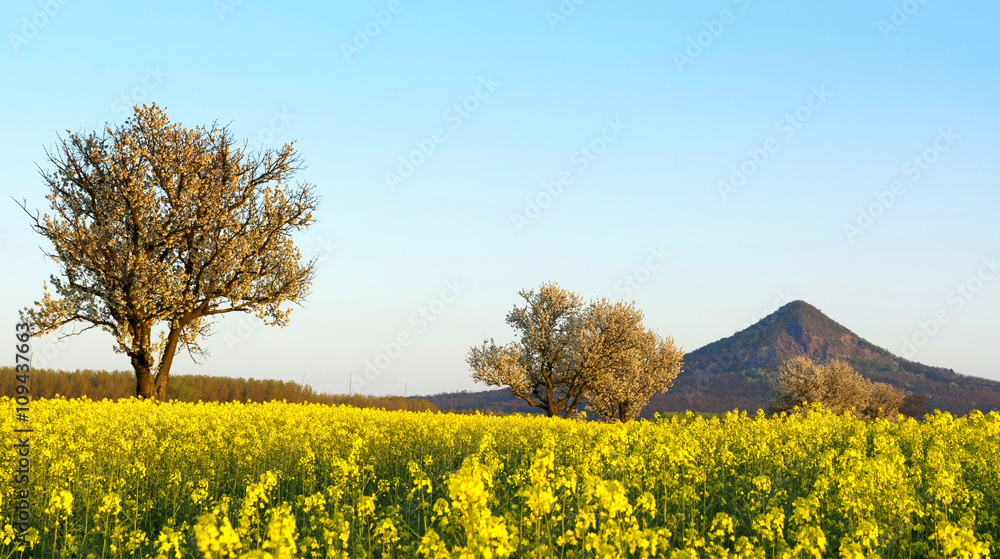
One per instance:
(839,97)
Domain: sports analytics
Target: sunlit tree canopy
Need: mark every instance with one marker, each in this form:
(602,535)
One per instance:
(158,228)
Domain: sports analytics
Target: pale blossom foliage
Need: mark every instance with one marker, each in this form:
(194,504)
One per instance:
(159,228)
(570,354)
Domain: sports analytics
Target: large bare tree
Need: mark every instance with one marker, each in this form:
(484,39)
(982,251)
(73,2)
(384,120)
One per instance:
(625,363)
(158,228)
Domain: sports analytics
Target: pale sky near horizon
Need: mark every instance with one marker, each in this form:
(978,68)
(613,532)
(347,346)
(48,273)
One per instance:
(717,159)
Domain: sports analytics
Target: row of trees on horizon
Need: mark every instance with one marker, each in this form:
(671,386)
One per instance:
(116,385)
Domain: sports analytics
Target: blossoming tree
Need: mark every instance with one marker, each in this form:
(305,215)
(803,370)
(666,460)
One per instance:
(159,228)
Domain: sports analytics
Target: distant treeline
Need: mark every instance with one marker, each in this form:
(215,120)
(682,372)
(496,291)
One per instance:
(97,385)
(501,402)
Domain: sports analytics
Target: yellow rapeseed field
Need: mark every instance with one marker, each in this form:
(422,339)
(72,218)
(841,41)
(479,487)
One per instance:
(136,479)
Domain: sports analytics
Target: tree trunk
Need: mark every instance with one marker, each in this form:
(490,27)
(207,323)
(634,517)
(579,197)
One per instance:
(166,360)
(145,387)
(162,385)
(142,361)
